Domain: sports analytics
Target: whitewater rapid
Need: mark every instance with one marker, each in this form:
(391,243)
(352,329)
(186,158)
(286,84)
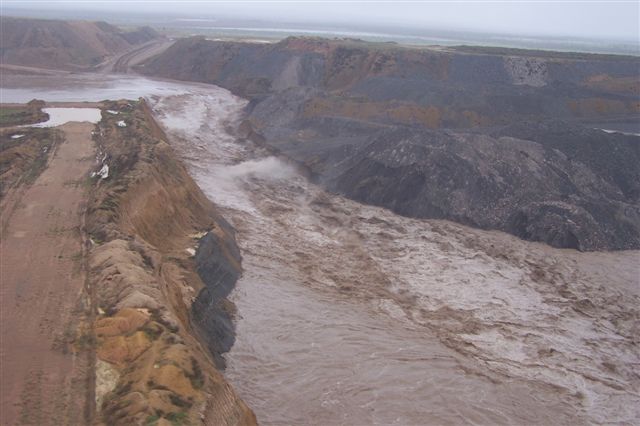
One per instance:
(350,314)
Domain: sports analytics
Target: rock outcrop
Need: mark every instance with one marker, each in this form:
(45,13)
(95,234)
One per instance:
(218,264)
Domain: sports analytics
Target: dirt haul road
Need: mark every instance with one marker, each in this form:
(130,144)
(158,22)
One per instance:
(122,63)
(44,372)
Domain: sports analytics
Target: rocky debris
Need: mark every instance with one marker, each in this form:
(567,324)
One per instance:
(550,181)
(103,173)
(527,71)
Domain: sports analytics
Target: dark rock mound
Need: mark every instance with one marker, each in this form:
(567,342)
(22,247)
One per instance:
(539,191)
(356,115)
(218,264)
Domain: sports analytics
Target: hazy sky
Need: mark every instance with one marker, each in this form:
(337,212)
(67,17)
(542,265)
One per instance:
(592,19)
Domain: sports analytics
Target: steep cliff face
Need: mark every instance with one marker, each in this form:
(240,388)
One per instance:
(144,222)
(69,45)
(368,119)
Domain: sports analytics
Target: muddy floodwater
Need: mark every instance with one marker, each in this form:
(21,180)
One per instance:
(350,314)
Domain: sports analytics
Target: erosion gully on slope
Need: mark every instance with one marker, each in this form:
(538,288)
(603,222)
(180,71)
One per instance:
(350,313)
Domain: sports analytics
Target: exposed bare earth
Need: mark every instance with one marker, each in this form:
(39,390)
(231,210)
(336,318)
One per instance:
(70,45)
(43,300)
(150,367)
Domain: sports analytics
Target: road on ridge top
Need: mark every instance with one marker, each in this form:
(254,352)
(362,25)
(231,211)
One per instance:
(44,380)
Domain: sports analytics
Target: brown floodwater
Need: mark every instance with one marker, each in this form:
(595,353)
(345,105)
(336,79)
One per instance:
(350,314)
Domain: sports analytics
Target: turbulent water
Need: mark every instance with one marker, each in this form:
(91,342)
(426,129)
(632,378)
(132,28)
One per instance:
(350,314)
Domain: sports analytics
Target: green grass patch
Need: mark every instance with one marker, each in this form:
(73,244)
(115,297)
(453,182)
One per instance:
(85,341)
(14,116)
(196,377)
(180,402)
(177,419)
(151,420)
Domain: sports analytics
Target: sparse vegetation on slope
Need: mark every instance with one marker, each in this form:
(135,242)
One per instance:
(24,154)
(15,115)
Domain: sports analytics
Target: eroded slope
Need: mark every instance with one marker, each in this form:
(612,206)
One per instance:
(70,45)
(144,221)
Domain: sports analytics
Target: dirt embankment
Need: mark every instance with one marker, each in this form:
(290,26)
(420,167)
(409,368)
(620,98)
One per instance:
(144,221)
(23,155)
(14,115)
